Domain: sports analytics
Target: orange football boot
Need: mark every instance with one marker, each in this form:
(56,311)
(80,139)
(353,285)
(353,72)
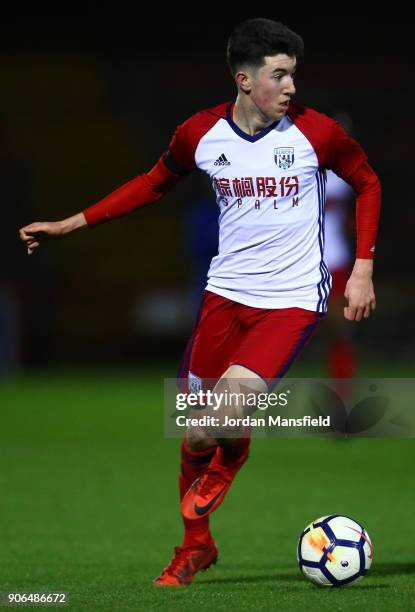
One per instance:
(186,562)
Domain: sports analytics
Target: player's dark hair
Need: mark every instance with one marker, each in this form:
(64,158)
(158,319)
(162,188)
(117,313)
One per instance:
(253,39)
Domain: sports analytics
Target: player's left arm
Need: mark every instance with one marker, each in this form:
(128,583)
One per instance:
(349,161)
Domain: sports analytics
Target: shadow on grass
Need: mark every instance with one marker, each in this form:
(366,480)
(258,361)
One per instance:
(258,578)
(392,569)
(299,580)
(381,569)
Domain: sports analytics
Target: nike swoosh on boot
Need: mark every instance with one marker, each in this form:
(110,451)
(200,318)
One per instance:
(200,510)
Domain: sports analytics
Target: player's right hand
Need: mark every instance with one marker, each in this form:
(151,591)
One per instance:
(35,233)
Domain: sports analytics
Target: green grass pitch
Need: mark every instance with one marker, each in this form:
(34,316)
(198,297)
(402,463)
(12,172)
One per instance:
(89,505)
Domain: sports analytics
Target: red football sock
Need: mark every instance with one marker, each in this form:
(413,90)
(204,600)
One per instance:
(233,450)
(196,532)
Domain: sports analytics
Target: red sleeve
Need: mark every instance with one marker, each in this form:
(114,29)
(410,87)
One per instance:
(368,199)
(347,159)
(138,192)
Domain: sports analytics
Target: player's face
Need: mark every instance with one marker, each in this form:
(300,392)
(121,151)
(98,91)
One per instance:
(272,85)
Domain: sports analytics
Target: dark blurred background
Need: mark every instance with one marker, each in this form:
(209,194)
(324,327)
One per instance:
(91,100)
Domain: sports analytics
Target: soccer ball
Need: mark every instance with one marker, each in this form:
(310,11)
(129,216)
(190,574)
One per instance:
(334,551)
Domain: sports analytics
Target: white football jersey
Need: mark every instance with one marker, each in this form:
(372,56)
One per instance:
(270,189)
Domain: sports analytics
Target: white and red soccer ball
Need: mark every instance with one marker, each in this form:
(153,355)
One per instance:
(334,551)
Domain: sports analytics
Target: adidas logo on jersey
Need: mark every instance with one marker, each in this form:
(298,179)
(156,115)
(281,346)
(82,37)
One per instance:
(222,161)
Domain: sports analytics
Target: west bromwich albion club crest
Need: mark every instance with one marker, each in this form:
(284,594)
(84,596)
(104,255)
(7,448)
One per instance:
(284,157)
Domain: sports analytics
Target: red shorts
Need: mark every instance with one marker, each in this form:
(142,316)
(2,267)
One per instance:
(264,340)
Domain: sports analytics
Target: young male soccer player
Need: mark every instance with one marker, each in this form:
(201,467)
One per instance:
(268,286)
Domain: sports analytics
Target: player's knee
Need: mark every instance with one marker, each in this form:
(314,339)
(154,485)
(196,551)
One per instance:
(198,439)
(246,378)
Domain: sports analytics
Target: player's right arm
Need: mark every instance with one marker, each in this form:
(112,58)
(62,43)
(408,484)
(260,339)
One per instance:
(144,189)
(138,192)
(34,233)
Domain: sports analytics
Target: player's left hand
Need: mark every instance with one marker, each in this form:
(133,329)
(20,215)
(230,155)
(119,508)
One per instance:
(359,291)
